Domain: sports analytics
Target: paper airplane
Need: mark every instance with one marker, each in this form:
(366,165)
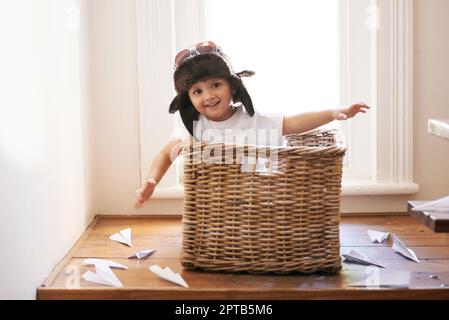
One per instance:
(124,236)
(103,275)
(168,275)
(107,263)
(355,256)
(439,205)
(377,236)
(142,254)
(399,247)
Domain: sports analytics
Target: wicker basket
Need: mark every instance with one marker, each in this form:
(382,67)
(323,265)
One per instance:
(281,217)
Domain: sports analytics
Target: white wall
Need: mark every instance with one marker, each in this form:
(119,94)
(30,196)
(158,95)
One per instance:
(116,154)
(44,180)
(112,52)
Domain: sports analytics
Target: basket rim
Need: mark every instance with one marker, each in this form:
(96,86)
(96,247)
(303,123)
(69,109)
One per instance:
(338,146)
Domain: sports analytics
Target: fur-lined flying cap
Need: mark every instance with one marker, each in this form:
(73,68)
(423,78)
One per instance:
(202,67)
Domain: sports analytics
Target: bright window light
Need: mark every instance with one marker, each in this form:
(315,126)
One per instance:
(292,45)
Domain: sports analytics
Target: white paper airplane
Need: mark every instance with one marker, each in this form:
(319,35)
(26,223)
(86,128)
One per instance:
(439,205)
(168,275)
(124,236)
(107,263)
(103,275)
(399,247)
(142,254)
(358,257)
(377,236)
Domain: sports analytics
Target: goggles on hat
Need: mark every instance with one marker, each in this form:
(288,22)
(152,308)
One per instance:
(195,50)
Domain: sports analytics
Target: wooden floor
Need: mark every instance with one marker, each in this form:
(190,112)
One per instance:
(165,235)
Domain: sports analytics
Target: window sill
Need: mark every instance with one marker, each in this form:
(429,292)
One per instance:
(371,188)
(349,188)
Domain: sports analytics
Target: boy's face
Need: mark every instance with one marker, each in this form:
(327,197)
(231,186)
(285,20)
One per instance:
(212,98)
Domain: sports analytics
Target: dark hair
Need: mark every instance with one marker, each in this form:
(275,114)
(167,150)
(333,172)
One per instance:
(203,67)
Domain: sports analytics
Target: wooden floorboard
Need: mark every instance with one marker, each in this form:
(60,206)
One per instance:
(165,235)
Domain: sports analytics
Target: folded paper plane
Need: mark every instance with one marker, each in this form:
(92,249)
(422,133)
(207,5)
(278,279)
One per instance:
(399,247)
(377,236)
(124,236)
(142,254)
(168,275)
(103,275)
(358,257)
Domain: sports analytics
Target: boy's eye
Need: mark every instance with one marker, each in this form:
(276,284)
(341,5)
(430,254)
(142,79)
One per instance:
(216,84)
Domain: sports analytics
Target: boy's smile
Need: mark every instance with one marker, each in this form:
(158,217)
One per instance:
(212,98)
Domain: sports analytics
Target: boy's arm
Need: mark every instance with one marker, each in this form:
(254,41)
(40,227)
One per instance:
(159,166)
(310,120)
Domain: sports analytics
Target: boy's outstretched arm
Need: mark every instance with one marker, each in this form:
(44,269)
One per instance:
(159,166)
(310,120)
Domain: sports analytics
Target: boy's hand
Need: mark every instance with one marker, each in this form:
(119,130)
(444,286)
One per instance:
(351,111)
(144,193)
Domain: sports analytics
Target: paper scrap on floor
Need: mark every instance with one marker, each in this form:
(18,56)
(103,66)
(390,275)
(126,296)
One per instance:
(168,275)
(401,248)
(103,275)
(142,254)
(377,236)
(358,257)
(123,236)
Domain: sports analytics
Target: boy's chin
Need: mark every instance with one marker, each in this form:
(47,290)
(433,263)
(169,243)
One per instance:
(217,113)
(215,116)
(214,112)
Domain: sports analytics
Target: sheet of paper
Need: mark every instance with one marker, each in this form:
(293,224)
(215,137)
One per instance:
(168,275)
(377,236)
(142,254)
(103,262)
(123,236)
(384,279)
(103,275)
(401,248)
(439,205)
(358,257)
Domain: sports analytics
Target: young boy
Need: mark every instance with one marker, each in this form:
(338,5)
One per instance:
(208,90)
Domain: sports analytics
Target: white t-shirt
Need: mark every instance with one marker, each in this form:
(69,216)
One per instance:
(260,129)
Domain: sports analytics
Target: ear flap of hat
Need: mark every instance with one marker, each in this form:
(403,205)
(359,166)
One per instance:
(241,94)
(175,105)
(187,111)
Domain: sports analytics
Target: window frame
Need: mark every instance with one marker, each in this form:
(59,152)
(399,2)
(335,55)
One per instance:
(391,90)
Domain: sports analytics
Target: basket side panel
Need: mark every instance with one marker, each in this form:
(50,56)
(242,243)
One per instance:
(279,222)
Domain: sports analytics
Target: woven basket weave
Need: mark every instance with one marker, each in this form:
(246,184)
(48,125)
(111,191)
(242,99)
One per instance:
(281,219)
